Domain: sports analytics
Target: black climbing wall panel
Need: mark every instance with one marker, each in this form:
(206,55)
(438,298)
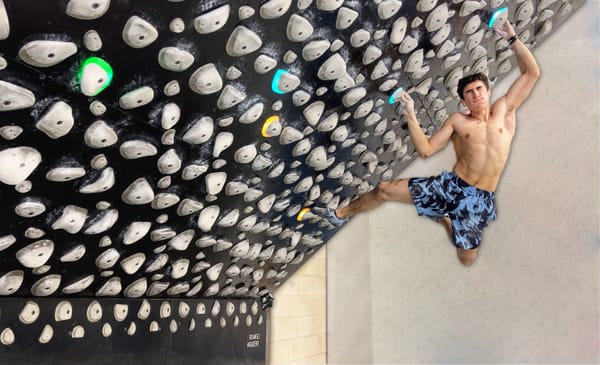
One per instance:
(129,331)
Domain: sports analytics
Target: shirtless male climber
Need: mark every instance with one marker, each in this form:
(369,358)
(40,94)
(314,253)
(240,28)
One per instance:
(463,200)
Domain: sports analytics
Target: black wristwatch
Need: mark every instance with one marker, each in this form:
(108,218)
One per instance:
(512,39)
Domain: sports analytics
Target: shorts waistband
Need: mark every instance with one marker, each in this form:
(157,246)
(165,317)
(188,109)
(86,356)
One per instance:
(465,184)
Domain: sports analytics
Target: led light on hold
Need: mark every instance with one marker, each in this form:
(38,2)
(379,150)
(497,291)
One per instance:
(301,214)
(94,76)
(395,97)
(272,127)
(284,82)
(498,17)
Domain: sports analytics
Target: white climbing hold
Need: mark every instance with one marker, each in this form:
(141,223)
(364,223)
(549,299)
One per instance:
(437,18)
(46,334)
(136,148)
(99,135)
(407,45)
(175,59)
(103,183)
(71,220)
(223,141)
(4,22)
(354,96)
(14,97)
(298,28)
(74,254)
(106,220)
(46,53)
(245,12)
(207,217)
(300,97)
(92,41)
(242,41)
(379,71)
(345,18)
(329,5)
(472,24)
(388,8)
(287,82)
(332,68)
(35,254)
(60,174)
(79,285)
(111,287)
(87,9)
(133,263)
(525,11)
(313,112)
(245,154)
(264,64)
(29,313)
(29,209)
(235,188)
(329,123)
(360,38)
(303,4)
(135,232)
(230,97)
(474,40)
(179,268)
(7,241)
(177,25)
(215,182)
(135,290)
(138,33)
(172,88)
(315,49)
(182,240)
(213,20)
(107,259)
(252,114)
(169,162)
(290,135)
(63,311)
(371,54)
(233,73)
(426,5)
(17,163)
(273,9)
(11,282)
(138,193)
(10,132)
(441,35)
(136,98)
(57,121)
(317,159)
(206,80)
(200,132)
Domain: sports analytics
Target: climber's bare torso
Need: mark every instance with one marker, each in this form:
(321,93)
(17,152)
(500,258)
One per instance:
(482,146)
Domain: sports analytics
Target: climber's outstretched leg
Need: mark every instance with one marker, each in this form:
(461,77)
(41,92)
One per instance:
(396,190)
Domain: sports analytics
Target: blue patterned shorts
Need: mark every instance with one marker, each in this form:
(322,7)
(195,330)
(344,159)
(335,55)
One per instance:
(469,208)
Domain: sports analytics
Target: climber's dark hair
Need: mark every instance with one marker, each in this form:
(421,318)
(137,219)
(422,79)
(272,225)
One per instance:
(462,83)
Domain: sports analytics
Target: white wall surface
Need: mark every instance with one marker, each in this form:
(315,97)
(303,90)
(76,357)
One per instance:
(398,294)
(296,323)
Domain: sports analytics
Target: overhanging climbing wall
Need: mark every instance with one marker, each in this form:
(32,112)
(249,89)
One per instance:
(162,151)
